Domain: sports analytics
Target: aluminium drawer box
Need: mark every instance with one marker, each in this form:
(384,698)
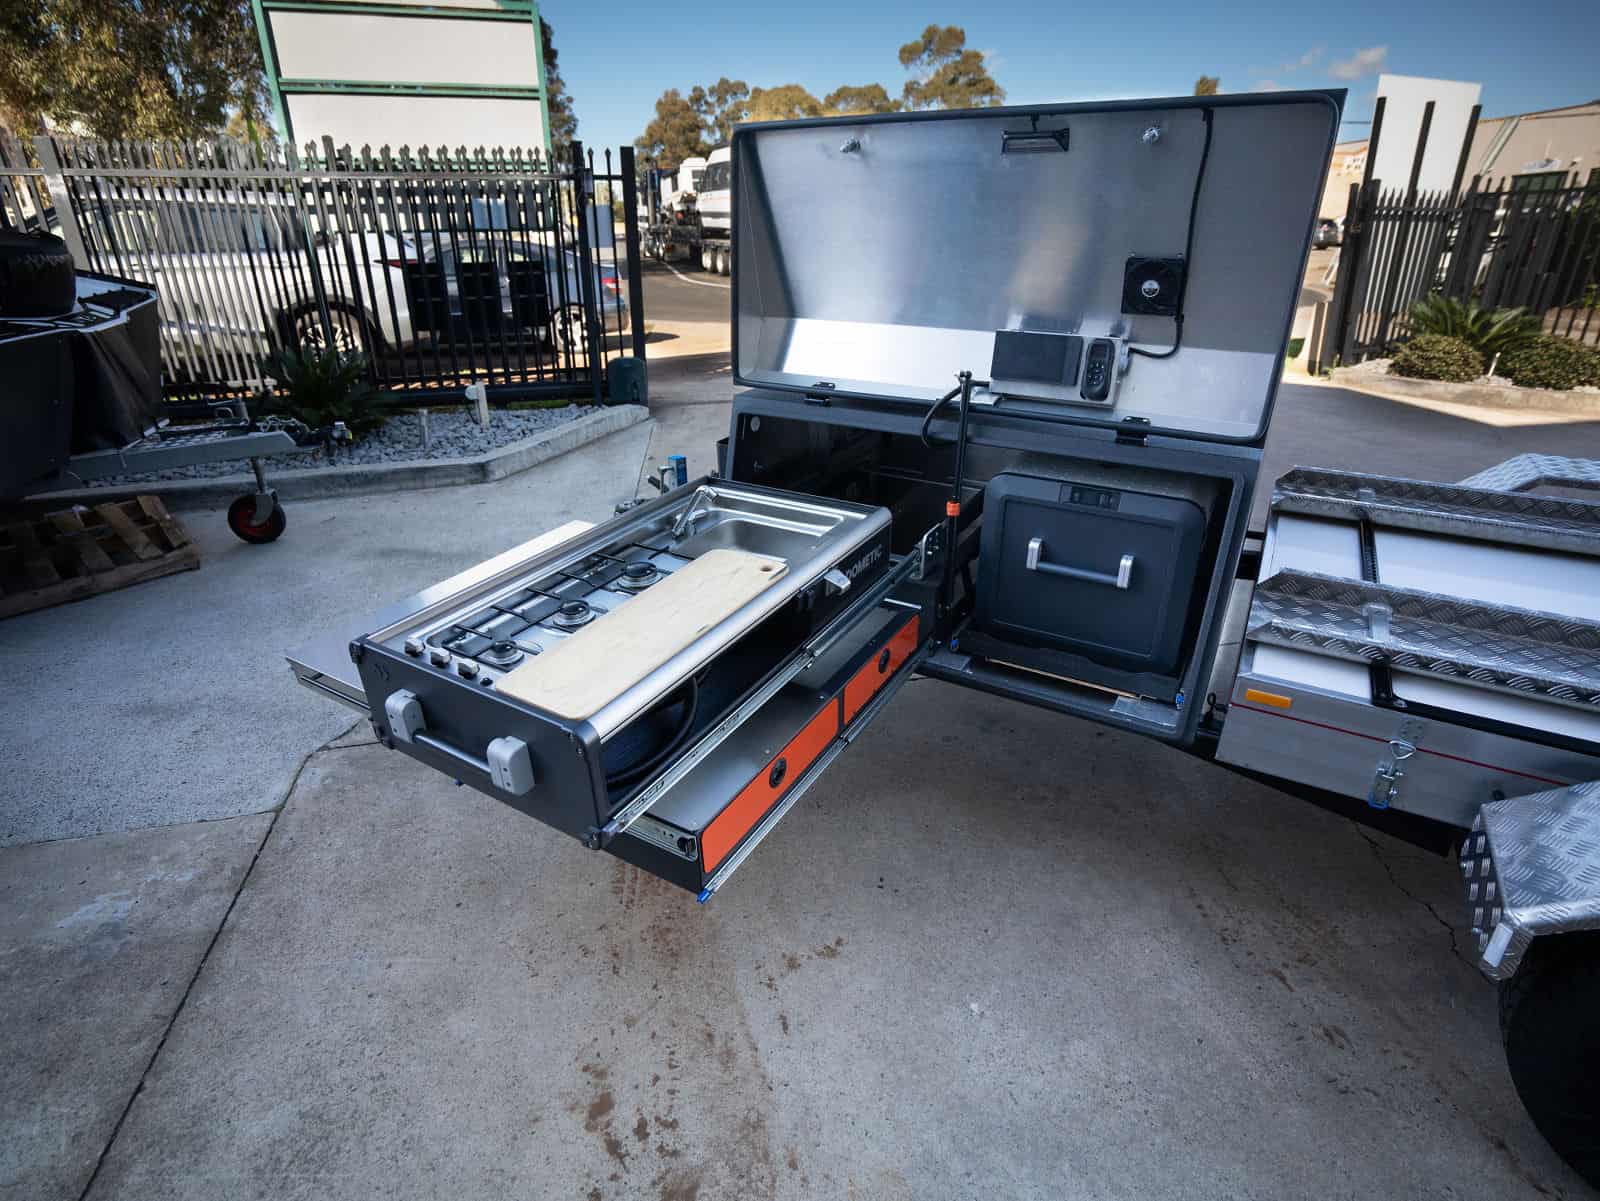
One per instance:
(1132,619)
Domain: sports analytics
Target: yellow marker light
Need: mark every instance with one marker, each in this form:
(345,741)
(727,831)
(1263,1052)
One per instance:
(1274,699)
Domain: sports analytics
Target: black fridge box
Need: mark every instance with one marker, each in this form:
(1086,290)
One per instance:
(1091,567)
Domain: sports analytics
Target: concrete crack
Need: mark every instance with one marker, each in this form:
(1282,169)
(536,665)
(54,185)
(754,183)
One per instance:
(277,812)
(1377,851)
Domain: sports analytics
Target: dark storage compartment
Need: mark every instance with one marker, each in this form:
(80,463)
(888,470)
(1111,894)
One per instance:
(1087,567)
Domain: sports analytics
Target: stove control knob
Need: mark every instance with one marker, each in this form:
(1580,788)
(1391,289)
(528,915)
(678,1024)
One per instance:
(466,668)
(414,647)
(439,657)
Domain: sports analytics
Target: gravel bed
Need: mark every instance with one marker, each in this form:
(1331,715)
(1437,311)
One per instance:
(452,435)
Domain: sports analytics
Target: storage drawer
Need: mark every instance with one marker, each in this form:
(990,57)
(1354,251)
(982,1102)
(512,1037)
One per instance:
(1102,571)
(699,831)
(800,653)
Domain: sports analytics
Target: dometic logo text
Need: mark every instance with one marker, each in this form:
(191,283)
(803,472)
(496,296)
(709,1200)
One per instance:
(864,562)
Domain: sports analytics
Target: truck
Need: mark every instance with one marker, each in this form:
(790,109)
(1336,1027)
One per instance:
(690,216)
(1003,381)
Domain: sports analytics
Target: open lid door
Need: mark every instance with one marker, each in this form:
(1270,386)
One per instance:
(878,256)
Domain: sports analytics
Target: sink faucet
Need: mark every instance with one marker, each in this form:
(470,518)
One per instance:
(686,518)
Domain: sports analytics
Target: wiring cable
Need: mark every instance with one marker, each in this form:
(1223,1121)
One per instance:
(1188,253)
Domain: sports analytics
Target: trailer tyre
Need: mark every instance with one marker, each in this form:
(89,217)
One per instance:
(1552,1044)
(242,520)
(36,275)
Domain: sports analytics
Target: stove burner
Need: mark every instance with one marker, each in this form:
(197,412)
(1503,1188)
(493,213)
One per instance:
(502,654)
(572,614)
(638,576)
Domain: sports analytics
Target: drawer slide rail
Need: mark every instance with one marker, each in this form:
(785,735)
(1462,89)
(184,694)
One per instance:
(808,654)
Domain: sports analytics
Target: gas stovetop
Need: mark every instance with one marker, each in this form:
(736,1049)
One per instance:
(479,634)
(533,618)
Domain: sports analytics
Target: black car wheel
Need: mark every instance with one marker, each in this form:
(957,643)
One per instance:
(1552,1044)
(567,332)
(307,333)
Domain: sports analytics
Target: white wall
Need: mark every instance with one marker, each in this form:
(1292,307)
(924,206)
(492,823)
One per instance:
(1405,98)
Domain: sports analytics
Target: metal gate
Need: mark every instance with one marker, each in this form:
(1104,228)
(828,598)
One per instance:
(445,270)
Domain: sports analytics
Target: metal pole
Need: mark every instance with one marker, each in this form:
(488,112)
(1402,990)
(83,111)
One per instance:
(1466,149)
(630,209)
(1421,152)
(1372,140)
(1402,239)
(586,280)
(1351,250)
(55,183)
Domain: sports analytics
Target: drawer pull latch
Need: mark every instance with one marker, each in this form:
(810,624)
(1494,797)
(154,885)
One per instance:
(1035,562)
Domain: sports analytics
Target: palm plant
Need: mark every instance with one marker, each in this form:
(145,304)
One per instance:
(320,387)
(1488,331)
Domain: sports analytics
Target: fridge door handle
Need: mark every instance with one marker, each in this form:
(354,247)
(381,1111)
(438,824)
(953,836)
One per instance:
(1036,562)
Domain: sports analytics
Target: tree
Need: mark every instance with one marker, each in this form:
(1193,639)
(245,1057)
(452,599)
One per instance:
(785,102)
(130,68)
(676,133)
(948,75)
(563,121)
(721,106)
(850,100)
(1206,85)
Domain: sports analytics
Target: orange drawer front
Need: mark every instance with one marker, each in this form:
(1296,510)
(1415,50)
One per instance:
(864,685)
(751,805)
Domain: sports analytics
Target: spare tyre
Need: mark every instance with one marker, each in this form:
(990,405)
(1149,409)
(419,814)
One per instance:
(36,275)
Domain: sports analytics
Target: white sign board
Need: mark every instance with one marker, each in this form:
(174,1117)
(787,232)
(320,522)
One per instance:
(417,121)
(446,73)
(1405,98)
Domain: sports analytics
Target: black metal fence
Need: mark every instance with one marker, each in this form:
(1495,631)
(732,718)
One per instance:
(446,270)
(1512,243)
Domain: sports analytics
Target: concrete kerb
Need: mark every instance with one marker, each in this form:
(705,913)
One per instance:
(314,483)
(1486,396)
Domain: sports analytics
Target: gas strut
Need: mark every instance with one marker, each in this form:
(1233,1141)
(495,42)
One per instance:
(952,507)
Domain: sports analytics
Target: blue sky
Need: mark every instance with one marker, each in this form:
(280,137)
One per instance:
(617,58)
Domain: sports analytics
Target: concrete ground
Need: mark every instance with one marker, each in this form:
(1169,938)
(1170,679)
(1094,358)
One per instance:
(993,952)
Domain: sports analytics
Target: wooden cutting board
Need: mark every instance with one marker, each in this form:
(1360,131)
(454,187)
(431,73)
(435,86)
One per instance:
(603,659)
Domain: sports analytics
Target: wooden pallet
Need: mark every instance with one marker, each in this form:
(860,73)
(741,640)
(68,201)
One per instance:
(73,553)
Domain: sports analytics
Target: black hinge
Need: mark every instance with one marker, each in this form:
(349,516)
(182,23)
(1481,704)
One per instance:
(1135,436)
(819,394)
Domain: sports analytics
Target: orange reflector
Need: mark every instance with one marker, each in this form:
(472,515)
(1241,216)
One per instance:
(952,508)
(1268,698)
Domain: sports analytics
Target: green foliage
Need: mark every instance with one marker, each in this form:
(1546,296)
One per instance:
(947,74)
(320,387)
(1488,331)
(1438,356)
(849,100)
(563,121)
(721,106)
(786,102)
(1207,85)
(1551,362)
(130,68)
(676,133)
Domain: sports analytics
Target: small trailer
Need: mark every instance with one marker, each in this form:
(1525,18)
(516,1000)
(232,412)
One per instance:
(1005,377)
